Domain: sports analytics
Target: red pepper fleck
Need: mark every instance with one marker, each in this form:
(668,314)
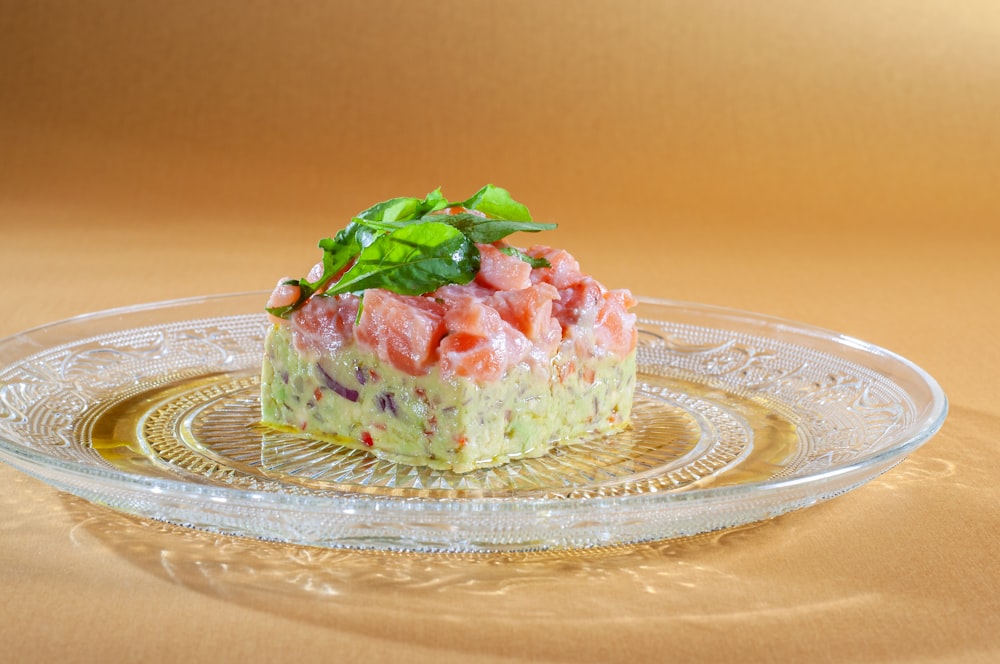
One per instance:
(318,394)
(366,438)
(462,441)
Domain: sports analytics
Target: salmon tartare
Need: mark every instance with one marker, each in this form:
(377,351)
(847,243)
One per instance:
(425,338)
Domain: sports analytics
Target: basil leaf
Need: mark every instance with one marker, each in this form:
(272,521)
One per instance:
(530,260)
(435,201)
(412,260)
(497,202)
(337,253)
(442,250)
(478,229)
(404,208)
(383,226)
(485,230)
(392,209)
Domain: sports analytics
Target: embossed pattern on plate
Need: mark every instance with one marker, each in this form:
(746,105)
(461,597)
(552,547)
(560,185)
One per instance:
(738,417)
(211,430)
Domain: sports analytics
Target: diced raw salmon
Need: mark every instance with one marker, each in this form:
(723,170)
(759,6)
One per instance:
(403,330)
(499,271)
(615,327)
(316,272)
(529,310)
(324,324)
(283,295)
(509,314)
(452,294)
(480,344)
(563,270)
(472,356)
(471,316)
(579,302)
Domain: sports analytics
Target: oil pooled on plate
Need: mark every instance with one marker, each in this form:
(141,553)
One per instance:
(684,435)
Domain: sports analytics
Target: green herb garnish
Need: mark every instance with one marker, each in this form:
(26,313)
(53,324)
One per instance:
(533,262)
(412,260)
(413,246)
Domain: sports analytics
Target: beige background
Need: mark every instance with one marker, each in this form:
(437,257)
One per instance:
(828,163)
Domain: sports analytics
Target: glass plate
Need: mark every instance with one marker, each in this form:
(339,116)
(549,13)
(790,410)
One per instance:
(738,417)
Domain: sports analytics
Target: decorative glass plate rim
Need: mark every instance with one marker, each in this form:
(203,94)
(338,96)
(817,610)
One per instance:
(906,441)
